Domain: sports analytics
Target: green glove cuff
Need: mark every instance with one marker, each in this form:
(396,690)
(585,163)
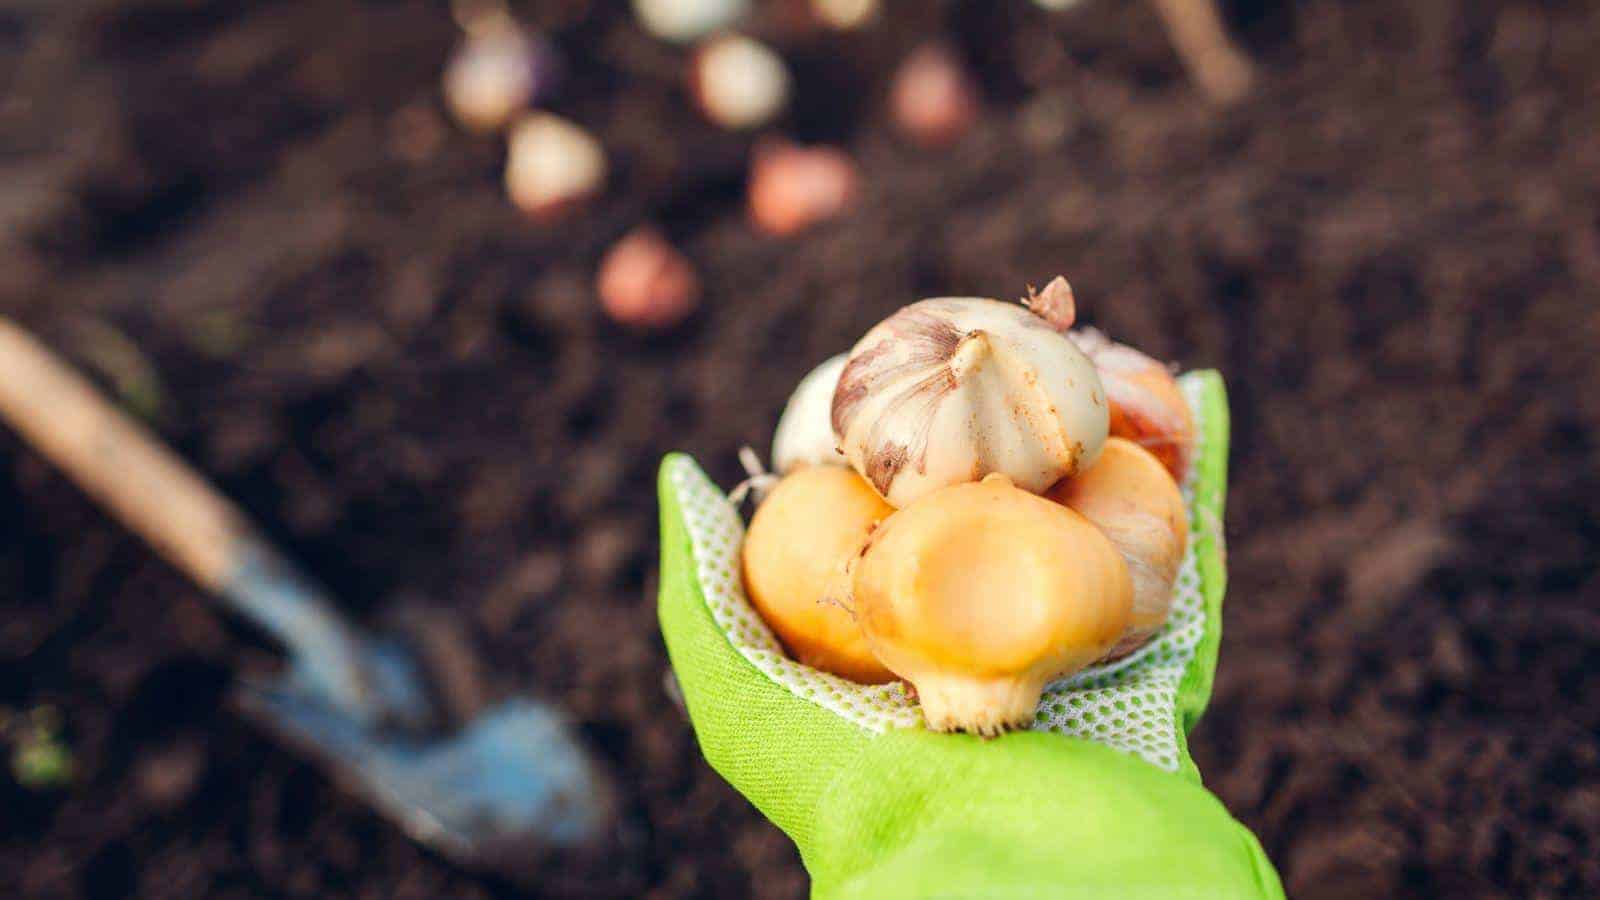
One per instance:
(880,809)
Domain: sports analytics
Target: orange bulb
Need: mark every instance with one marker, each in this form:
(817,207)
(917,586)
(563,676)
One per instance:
(980,593)
(796,553)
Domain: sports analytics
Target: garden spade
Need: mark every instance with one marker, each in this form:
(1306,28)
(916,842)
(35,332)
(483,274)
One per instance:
(500,787)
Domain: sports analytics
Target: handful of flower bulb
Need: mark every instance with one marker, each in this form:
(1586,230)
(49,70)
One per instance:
(984,521)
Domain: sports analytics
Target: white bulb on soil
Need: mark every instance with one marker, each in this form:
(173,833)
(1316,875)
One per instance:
(495,73)
(738,82)
(683,21)
(552,164)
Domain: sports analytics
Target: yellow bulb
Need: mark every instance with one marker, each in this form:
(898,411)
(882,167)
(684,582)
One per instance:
(796,554)
(980,593)
(1130,496)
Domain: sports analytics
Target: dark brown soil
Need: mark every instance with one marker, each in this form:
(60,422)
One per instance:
(254,221)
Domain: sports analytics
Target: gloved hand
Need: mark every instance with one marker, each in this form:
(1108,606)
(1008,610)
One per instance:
(884,811)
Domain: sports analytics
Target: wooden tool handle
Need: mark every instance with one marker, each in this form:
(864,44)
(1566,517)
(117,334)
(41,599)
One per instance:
(117,461)
(1196,29)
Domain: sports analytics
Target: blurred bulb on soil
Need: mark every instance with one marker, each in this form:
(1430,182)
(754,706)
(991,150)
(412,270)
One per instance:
(1146,405)
(552,164)
(932,99)
(1131,497)
(793,187)
(796,563)
(682,21)
(738,82)
(644,282)
(845,14)
(497,71)
(980,593)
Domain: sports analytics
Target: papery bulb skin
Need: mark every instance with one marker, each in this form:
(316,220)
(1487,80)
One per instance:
(1134,501)
(796,559)
(949,390)
(805,433)
(1146,405)
(981,593)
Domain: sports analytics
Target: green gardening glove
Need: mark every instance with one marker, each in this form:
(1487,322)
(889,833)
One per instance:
(1100,799)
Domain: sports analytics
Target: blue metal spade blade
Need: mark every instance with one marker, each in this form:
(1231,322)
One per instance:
(503,790)
(506,789)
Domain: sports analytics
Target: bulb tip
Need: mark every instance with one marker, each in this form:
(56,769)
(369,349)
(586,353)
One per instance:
(970,354)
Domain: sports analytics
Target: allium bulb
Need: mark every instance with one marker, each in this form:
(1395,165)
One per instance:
(949,390)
